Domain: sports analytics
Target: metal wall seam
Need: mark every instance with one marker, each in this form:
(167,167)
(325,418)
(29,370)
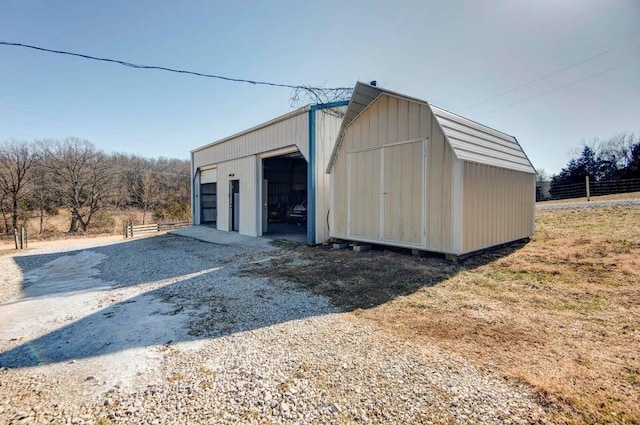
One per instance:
(457,206)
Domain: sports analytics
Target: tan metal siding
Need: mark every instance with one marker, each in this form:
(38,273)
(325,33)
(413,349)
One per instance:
(209,176)
(339,203)
(291,131)
(243,169)
(382,119)
(327,127)
(439,191)
(364,194)
(387,121)
(499,205)
(402,193)
(461,209)
(392,123)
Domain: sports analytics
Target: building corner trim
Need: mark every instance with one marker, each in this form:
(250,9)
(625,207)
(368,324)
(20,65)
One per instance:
(311,179)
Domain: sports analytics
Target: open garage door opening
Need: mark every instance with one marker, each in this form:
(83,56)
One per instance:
(284,197)
(208,204)
(209,197)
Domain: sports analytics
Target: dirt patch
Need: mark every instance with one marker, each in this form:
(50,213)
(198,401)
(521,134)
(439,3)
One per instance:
(363,280)
(561,313)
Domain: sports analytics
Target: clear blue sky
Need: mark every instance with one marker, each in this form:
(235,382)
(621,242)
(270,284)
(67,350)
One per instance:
(453,54)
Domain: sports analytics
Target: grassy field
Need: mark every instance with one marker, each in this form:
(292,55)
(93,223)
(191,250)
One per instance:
(560,313)
(612,197)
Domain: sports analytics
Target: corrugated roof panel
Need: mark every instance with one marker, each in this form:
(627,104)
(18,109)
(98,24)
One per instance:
(464,137)
(464,147)
(508,143)
(472,141)
(468,123)
(481,159)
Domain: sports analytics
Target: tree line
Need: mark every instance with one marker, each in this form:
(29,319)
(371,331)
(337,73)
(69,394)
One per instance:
(614,158)
(37,178)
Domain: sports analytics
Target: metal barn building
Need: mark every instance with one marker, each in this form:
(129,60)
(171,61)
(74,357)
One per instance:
(270,178)
(406,173)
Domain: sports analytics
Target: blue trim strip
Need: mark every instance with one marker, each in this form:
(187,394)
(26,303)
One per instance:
(194,198)
(311,180)
(311,165)
(321,106)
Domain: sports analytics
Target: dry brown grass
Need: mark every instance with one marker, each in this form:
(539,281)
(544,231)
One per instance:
(55,227)
(615,196)
(561,313)
(104,222)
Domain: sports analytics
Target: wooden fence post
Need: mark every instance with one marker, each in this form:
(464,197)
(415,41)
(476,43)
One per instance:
(15,236)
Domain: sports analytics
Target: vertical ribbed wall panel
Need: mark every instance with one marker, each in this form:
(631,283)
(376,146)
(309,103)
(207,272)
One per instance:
(499,205)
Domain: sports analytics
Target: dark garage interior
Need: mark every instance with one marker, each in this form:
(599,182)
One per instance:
(285,215)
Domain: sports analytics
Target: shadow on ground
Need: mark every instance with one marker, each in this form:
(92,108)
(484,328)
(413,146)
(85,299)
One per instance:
(208,290)
(353,280)
(119,265)
(197,295)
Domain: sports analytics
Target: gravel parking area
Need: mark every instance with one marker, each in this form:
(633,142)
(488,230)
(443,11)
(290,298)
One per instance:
(168,330)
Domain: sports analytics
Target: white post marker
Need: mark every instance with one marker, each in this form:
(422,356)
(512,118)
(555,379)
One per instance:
(588,194)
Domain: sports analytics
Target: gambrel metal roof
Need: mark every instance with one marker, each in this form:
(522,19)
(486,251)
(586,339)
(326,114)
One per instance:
(469,140)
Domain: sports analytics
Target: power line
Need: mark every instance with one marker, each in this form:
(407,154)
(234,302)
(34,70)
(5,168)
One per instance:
(573,65)
(552,90)
(178,71)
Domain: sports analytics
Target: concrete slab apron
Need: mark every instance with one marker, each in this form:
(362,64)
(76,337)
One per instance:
(40,325)
(207,234)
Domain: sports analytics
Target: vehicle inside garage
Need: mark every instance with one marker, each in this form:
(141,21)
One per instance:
(285,197)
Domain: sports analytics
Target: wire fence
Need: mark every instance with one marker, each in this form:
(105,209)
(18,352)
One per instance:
(592,188)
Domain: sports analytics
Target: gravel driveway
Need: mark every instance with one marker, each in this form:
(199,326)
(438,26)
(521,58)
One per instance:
(166,330)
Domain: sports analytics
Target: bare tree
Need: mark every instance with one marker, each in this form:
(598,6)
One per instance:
(614,154)
(43,196)
(85,176)
(16,160)
(4,208)
(172,178)
(145,192)
(542,175)
(319,95)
